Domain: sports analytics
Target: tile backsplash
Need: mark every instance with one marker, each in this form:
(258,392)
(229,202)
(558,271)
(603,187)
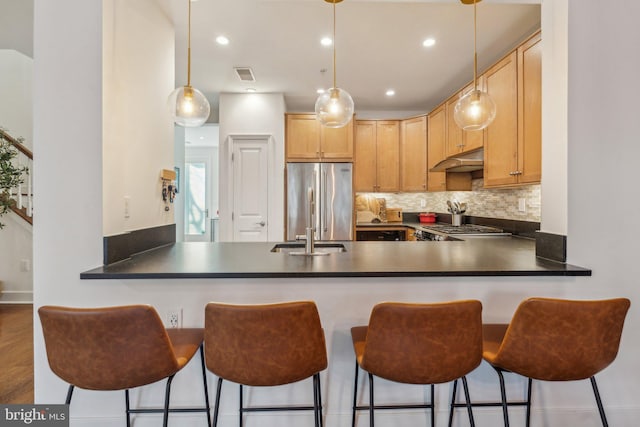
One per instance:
(500,203)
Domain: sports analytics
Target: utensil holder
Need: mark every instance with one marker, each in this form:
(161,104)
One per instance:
(456,219)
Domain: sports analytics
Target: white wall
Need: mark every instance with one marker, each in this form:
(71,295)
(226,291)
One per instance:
(554,116)
(16,95)
(138,136)
(602,146)
(252,113)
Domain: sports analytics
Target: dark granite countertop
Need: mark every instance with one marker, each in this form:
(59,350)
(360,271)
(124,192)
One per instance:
(493,256)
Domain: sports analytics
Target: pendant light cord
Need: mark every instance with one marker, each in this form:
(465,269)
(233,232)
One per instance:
(475,50)
(189,47)
(334,44)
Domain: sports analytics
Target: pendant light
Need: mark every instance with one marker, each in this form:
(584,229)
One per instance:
(188,106)
(475,110)
(334,108)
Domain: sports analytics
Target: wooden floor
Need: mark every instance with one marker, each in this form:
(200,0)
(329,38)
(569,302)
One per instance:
(16,353)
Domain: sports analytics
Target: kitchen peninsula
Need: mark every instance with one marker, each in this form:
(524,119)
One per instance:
(507,256)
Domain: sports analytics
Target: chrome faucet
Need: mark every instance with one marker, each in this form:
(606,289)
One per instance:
(309,236)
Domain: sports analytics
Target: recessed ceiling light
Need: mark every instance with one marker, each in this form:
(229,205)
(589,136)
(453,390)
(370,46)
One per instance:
(429,42)
(250,89)
(202,137)
(391,92)
(320,91)
(326,41)
(222,40)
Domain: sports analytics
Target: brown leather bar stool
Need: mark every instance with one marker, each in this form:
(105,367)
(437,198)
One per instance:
(418,344)
(265,345)
(119,348)
(556,340)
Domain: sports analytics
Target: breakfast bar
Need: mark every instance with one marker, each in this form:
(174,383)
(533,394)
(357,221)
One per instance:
(506,256)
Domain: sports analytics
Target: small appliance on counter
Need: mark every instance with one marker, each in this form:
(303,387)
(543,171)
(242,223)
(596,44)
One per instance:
(394,214)
(427,217)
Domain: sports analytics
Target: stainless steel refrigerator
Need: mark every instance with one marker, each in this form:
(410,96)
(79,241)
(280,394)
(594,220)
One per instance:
(332,184)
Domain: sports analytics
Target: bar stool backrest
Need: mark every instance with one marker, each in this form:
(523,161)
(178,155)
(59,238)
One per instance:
(423,343)
(264,345)
(562,340)
(109,348)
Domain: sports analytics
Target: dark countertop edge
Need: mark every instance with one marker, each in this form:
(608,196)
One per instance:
(267,275)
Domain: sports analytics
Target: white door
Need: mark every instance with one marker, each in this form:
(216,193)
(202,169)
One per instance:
(196,203)
(250,164)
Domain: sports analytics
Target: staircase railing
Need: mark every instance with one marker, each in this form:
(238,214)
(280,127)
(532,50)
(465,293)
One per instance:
(22,194)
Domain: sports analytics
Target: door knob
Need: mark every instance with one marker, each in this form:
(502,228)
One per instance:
(261,223)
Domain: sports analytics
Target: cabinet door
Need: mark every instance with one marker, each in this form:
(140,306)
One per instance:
(365,156)
(303,137)
(453,144)
(413,154)
(437,132)
(388,155)
(337,143)
(501,144)
(530,111)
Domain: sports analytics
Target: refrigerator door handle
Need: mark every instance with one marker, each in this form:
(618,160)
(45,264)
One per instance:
(324,202)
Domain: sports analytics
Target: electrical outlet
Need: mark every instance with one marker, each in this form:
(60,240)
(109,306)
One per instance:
(174,318)
(423,203)
(522,204)
(127,206)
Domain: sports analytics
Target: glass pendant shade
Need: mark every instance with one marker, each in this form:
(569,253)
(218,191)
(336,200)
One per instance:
(188,107)
(474,111)
(334,108)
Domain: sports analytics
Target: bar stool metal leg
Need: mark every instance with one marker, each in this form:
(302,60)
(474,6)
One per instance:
(453,402)
(216,405)
(316,413)
(599,402)
(69,394)
(503,394)
(468,399)
(167,396)
(241,408)
(529,401)
(371,404)
(355,397)
(320,401)
(206,387)
(127,407)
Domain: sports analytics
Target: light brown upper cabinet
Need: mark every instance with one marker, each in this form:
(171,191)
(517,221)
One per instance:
(413,154)
(459,141)
(308,141)
(437,129)
(530,108)
(436,141)
(377,156)
(512,150)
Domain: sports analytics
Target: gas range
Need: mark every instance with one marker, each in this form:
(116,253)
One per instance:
(443,232)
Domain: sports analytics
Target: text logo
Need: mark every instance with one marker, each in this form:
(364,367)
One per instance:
(34,415)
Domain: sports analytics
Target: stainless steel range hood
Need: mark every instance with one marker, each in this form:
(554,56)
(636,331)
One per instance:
(467,162)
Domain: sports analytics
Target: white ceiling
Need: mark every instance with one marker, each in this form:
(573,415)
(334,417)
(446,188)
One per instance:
(379,46)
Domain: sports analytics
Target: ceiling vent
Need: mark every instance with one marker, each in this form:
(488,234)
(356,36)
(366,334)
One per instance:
(245,74)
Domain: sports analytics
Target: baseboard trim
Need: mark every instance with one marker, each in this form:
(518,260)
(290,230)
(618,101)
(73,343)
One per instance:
(16,297)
